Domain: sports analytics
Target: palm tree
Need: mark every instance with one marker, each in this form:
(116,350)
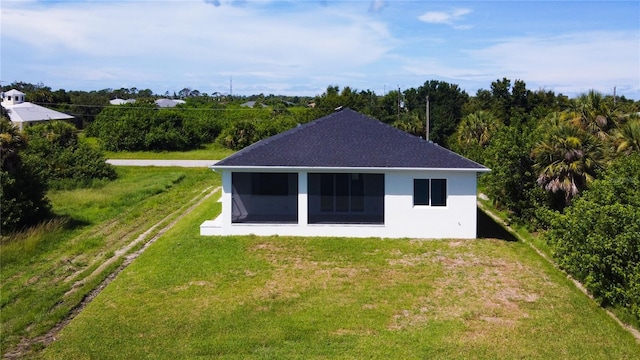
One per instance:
(628,137)
(567,159)
(11,141)
(477,128)
(593,113)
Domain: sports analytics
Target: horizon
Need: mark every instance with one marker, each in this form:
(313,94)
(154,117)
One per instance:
(175,94)
(288,48)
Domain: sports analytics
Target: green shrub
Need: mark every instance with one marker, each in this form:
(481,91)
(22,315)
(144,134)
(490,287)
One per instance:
(23,200)
(238,135)
(597,239)
(60,158)
(144,127)
(511,184)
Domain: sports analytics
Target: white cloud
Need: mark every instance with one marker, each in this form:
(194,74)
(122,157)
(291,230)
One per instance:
(444,17)
(178,36)
(289,47)
(572,62)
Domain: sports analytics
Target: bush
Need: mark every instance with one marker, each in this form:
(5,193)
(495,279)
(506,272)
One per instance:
(57,154)
(22,191)
(238,135)
(512,182)
(144,127)
(597,239)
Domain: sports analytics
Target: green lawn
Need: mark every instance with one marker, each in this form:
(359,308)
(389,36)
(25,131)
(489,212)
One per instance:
(47,273)
(211,151)
(254,297)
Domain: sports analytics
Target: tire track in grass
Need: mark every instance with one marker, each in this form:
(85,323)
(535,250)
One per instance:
(28,345)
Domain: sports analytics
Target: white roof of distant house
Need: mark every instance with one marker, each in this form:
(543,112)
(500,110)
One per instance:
(251,104)
(117,101)
(12,92)
(21,111)
(31,112)
(163,103)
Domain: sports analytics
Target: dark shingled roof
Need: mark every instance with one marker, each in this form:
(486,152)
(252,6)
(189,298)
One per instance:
(348,139)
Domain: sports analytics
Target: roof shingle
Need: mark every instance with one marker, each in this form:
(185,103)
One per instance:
(347,139)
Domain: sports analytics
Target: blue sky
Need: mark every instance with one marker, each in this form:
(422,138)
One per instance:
(301,47)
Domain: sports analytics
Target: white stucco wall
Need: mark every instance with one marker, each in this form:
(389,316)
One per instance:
(401,219)
(455,220)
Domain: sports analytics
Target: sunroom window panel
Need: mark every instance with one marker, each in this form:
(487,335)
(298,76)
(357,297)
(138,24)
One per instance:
(342,192)
(326,192)
(264,197)
(346,198)
(357,193)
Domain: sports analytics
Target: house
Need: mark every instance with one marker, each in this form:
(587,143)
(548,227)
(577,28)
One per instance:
(118,101)
(165,103)
(251,104)
(23,113)
(349,175)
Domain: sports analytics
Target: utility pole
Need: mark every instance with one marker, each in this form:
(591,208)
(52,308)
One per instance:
(231,85)
(398,102)
(427,111)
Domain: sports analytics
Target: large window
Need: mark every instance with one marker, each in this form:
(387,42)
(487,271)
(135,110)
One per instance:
(264,197)
(346,198)
(430,192)
(270,184)
(341,193)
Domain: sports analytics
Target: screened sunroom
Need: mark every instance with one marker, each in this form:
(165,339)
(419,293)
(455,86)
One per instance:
(346,198)
(333,198)
(262,197)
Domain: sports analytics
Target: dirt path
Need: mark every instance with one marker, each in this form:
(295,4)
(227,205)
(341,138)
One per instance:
(26,346)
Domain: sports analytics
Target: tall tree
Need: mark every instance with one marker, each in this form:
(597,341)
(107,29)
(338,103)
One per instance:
(567,160)
(474,133)
(511,183)
(445,108)
(477,128)
(85,106)
(595,114)
(627,137)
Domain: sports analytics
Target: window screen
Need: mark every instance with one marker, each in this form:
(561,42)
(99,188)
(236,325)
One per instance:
(420,191)
(438,192)
(430,192)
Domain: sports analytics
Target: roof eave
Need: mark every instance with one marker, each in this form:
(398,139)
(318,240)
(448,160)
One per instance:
(329,168)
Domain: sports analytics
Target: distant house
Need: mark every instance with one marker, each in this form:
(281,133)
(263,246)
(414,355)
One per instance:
(165,103)
(23,114)
(348,175)
(117,101)
(251,104)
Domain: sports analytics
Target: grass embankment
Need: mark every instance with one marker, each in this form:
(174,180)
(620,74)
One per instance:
(48,271)
(283,298)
